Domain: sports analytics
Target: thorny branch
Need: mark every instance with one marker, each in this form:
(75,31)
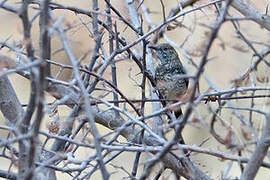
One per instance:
(96,94)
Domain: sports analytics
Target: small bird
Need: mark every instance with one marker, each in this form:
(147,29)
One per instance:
(169,74)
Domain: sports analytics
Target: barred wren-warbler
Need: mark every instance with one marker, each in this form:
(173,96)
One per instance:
(169,74)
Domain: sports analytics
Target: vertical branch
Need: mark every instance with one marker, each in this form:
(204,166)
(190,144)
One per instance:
(45,39)
(137,158)
(258,155)
(163,11)
(135,20)
(97,36)
(157,121)
(111,48)
(30,53)
(133,15)
(23,126)
(44,70)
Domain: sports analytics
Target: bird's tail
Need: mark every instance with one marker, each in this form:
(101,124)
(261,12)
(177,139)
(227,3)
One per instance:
(178,113)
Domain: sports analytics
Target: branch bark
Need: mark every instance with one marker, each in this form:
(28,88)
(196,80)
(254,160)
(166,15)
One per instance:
(249,10)
(259,153)
(10,105)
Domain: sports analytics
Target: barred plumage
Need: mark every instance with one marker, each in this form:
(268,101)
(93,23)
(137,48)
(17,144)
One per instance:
(169,72)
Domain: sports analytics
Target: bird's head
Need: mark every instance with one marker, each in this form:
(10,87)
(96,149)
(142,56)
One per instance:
(164,52)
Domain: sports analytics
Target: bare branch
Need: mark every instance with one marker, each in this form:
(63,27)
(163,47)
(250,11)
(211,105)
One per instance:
(259,153)
(251,12)
(9,103)
(85,99)
(113,86)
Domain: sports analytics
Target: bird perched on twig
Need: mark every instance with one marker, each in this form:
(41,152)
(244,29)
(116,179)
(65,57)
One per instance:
(169,74)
